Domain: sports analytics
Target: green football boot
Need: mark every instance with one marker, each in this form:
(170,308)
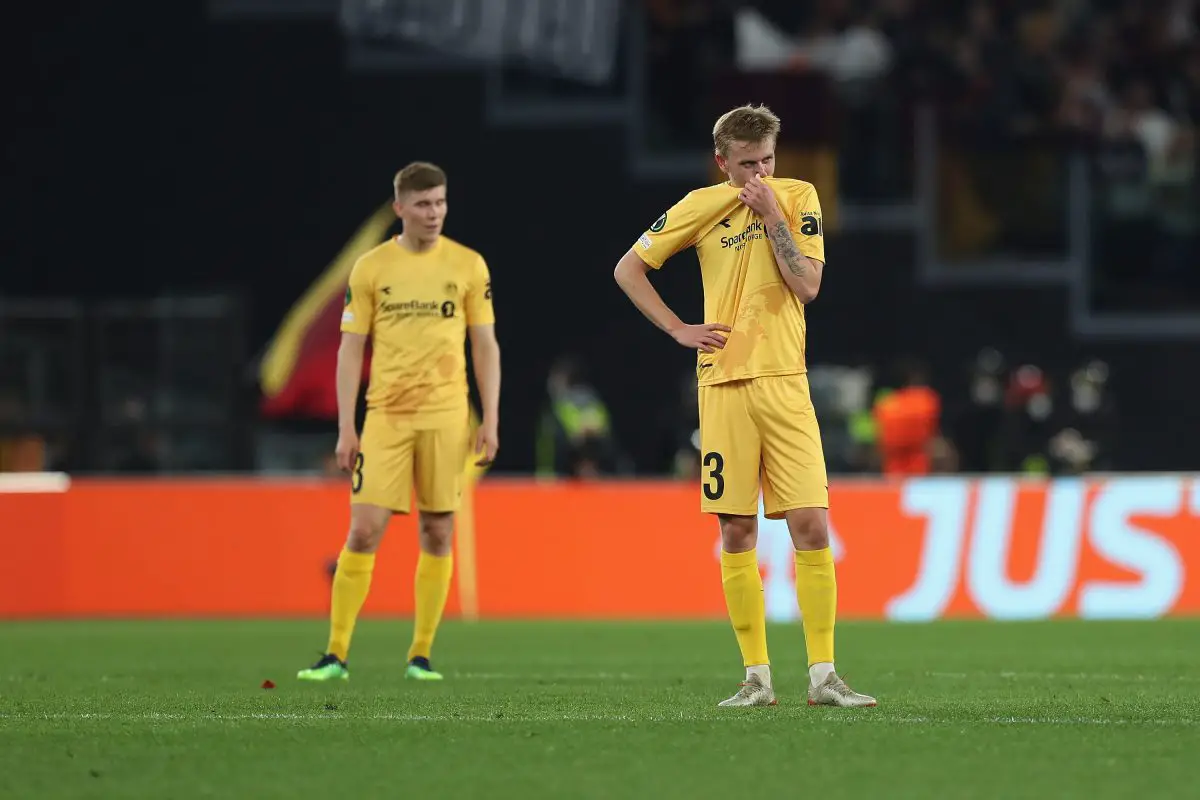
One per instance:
(419,669)
(329,668)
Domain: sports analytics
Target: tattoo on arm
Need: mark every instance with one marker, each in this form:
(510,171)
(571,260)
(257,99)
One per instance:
(786,249)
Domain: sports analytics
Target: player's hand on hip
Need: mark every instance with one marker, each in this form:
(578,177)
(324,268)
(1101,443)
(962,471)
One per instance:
(760,197)
(706,338)
(347,451)
(487,443)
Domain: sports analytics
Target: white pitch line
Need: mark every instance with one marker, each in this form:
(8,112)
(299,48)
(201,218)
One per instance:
(580,676)
(1066,676)
(860,717)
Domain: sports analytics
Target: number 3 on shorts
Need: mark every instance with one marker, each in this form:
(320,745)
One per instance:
(356,478)
(714,486)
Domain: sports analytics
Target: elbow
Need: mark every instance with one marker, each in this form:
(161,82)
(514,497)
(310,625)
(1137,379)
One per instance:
(806,294)
(620,274)
(628,269)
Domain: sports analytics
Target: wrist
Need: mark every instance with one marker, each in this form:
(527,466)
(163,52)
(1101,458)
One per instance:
(774,217)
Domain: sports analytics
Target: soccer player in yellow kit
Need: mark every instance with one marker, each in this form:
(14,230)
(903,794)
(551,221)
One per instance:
(762,253)
(418,297)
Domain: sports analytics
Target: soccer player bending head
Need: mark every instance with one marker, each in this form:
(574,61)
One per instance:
(418,297)
(760,242)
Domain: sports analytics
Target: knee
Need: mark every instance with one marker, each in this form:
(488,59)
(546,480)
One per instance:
(437,533)
(365,536)
(809,528)
(738,534)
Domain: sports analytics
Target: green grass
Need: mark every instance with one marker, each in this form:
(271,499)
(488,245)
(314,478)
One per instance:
(967,710)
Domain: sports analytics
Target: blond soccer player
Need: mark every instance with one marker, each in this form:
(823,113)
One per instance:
(761,249)
(418,297)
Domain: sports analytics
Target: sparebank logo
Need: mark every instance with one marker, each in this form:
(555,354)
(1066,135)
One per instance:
(753,231)
(407,309)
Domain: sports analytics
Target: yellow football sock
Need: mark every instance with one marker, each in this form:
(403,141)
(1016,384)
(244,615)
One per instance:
(816,589)
(432,585)
(351,583)
(744,598)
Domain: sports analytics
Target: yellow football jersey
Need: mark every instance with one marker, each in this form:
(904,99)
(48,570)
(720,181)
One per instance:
(416,308)
(742,285)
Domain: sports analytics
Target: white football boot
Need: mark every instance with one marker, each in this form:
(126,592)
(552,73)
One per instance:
(833,691)
(753,692)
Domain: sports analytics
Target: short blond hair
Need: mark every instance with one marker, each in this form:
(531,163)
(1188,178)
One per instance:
(745,124)
(418,177)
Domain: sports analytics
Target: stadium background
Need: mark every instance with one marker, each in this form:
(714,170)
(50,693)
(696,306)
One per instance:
(1002,215)
(183,211)
(1012,211)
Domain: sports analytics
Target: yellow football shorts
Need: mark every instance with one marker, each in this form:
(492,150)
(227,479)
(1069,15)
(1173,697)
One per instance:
(761,429)
(395,453)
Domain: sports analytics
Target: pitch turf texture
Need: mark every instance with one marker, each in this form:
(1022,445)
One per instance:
(531,710)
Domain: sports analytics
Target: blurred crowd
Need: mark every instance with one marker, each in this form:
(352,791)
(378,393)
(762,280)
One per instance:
(1017,85)
(1008,69)
(996,416)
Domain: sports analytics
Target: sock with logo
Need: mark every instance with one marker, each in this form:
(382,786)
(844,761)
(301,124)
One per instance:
(351,583)
(816,590)
(743,587)
(431,587)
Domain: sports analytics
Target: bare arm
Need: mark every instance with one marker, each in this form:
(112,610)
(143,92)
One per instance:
(631,277)
(349,378)
(801,273)
(485,358)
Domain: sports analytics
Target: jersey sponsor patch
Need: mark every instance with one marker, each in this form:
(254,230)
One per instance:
(347,316)
(644,241)
(659,224)
(811,224)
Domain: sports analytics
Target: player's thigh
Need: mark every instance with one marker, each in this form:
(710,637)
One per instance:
(793,459)
(440,459)
(383,470)
(729,451)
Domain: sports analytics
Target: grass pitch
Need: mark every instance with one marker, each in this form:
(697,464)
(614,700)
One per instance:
(532,710)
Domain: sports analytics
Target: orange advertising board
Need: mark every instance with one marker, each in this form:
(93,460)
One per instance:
(998,547)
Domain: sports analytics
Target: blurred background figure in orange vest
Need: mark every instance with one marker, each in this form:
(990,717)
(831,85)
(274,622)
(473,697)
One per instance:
(908,424)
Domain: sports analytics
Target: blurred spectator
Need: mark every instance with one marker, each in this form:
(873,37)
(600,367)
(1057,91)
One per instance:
(908,424)
(1087,442)
(575,436)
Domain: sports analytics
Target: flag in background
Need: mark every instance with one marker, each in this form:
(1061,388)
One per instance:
(297,371)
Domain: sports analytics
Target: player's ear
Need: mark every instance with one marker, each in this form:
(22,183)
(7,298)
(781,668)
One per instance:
(721,162)
(398,207)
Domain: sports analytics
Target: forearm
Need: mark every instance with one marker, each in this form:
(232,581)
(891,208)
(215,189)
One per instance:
(638,289)
(794,267)
(349,377)
(486,360)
